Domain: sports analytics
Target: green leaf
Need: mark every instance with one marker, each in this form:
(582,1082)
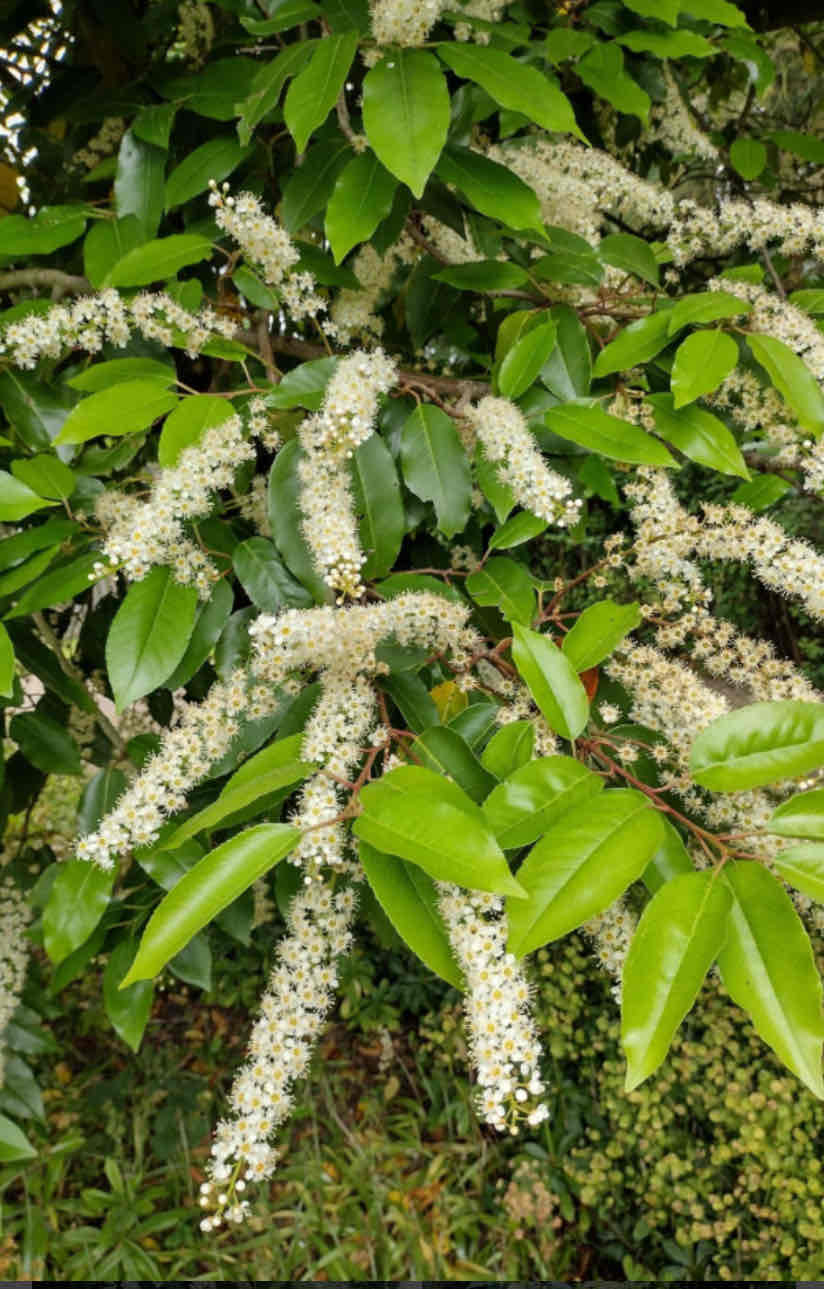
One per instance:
(509,748)
(679,936)
(567,42)
(209,623)
(158,260)
(406,114)
(118,370)
(14,1144)
(597,631)
(435,467)
(154,124)
(77,901)
(748,157)
(308,188)
(194,962)
(699,435)
(266,580)
(801,816)
(304,386)
(17,499)
(277,766)
(45,475)
(125,408)
(421,816)
(702,362)
(212,160)
(214,882)
(445,750)
(705,306)
(759,744)
(581,865)
(286,520)
(525,360)
(106,242)
(483,275)
(410,900)
(507,585)
(517,530)
(377,494)
(513,84)
(186,424)
(719,11)
(567,373)
(7,668)
(362,197)
(149,635)
(36,411)
(128,1009)
(634,345)
(535,796)
(810,301)
(16,548)
(314,91)
(768,968)
(60,585)
(99,796)
(671,859)
(669,44)
(138,185)
(498,494)
(793,380)
(806,146)
(268,83)
(632,254)
(762,491)
(609,435)
(552,681)
(413,700)
(286,15)
(664,10)
(45,743)
(399,583)
(40,234)
(493,189)
(803,867)
(602,69)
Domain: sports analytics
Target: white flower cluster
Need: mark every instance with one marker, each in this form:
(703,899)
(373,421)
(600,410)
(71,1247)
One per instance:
(696,230)
(93,320)
(507,441)
(502,1037)
(487,10)
(102,144)
(611,933)
(329,440)
(266,243)
(403,22)
(294,1010)
(15,916)
(773,316)
(354,312)
(667,695)
(187,752)
(672,124)
(151,532)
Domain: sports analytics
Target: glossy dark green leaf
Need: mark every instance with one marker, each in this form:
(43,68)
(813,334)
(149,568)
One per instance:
(444,749)
(215,159)
(125,408)
(210,621)
(159,260)
(377,494)
(509,748)
(609,435)
(265,579)
(567,373)
(635,344)
(138,185)
(128,1008)
(703,307)
(268,83)
(435,467)
(632,254)
(194,962)
(314,91)
(286,520)
(408,896)
(517,530)
(362,197)
(59,585)
(603,70)
(535,796)
(507,585)
(45,743)
(768,968)
(793,380)
(308,189)
(46,475)
(492,188)
(748,157)
(36,411)
(699,435)
(77,901)
(106,242)
(413,700)
(513,84)
(149,635)
(679,936)
(525,360)
(483,275)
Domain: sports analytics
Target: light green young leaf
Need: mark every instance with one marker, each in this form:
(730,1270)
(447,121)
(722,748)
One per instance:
(314,91)
(158,260)
(509,748)
(205,890)
(705,306)
(602,69)
(768,968)
(748,157)
(800,816)
(702,362)
(362,197)
(535,794)
(138,185)
(759,744)
(268,84)
(597,631)
(803,867)
(671,859)
(680,934)
(421,816)
(525,360)
(699,435)
(609,435)
(406,114)
(125,408)
(187,422)
(17,500)
(7,668)
(581,865)
(149,635)
(793,380)
(632,254)
(552,681)
(636,344)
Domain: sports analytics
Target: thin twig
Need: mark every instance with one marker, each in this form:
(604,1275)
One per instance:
(60,283)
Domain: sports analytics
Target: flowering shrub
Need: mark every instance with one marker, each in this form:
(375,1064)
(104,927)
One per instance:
(312,398)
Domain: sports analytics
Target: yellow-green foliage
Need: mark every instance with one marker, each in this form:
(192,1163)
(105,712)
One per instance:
(720,1152)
